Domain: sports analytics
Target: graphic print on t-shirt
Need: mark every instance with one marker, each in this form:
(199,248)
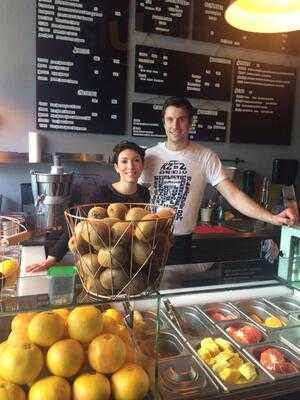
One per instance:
(171,186)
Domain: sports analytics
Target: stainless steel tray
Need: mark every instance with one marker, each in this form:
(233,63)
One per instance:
(262,310)
(285,304)
(237,324)
(224,309)
(254,353)
(183,377)
(261,378)
(291,337)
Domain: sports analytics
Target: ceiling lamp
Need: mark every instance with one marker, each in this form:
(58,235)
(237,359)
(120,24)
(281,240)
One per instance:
(266,16)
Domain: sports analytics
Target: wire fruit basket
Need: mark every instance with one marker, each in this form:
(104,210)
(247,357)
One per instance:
(120,249)
(12,232)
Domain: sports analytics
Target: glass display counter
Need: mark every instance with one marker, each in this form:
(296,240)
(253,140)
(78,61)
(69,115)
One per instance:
(219,324)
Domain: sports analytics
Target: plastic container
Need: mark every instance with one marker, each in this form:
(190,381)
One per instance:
(61,284)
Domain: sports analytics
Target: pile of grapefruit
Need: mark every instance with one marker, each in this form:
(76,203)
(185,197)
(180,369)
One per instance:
(79,354)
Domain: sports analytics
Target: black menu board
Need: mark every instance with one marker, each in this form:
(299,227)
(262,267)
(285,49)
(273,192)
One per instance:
(168,72)
(146,120)
(207,125)
(81,48)
(262,104)
(163,17)
(209,25)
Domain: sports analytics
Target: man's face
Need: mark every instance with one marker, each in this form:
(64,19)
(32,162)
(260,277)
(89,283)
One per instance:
(177,125)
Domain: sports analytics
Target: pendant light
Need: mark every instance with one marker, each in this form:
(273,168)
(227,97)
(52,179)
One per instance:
(266,16)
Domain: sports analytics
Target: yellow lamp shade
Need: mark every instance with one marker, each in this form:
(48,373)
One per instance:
(266,16)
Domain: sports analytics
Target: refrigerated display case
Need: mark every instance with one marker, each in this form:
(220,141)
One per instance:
(207,302)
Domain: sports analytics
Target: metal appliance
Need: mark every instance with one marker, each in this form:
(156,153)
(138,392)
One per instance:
(51,193)
(289,260)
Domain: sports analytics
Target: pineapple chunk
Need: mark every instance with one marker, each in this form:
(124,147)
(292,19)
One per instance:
(248,371)
(210,345)
(204,354)
(220,365)
(223,344)
(235,361)
(224,355)
(230,375)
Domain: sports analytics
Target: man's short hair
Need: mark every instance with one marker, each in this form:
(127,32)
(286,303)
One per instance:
(180,102)
(124,145)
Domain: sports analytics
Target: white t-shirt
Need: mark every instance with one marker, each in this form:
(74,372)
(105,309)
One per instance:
(178,179)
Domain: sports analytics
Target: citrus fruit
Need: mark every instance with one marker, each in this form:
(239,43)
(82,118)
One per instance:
(93,386)
(65,358)
(130,382)
(109,325)
(107,353)
(63,312)
(11,391)
(21,321)
(114,314)
(85,323)
(50,388)
(9,268)
(20,363)
(18,337)
(46,328)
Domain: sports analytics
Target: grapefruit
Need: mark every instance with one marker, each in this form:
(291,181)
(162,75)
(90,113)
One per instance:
(20,363)
(50,388)
(21,321)
(85,323)
(114,314)
(107,353)
(93,386)
(130,382)
(109,325)
(18,337)
(65,358)
(10,391)
(46,328)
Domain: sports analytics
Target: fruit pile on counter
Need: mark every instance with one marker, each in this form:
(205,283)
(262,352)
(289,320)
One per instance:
(83,354)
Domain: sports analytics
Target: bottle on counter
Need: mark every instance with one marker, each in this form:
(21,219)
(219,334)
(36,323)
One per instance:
(220,210)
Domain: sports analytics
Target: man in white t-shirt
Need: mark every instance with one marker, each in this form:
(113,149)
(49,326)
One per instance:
(178,170)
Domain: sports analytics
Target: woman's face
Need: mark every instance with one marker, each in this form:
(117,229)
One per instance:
(129,166)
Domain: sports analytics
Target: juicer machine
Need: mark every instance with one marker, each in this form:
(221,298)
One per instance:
(51,193)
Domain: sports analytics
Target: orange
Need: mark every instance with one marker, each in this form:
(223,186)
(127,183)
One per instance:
(21,321)
(130,382)
(93,386)
(124,334)
(65,358)
(109,325)
(107,353)
(18,337)
(20,363)
(114,314)
(50,388)
(46,328)
(63,312)
(10,391)
(85,323)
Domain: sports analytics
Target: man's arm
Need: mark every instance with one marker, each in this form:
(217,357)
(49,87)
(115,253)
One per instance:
(245,205)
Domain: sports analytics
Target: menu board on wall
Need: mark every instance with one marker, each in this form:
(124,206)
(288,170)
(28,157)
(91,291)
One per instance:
(81,48)
(168,72)
(163,17)
(207,125)
(262,104)
(209,25)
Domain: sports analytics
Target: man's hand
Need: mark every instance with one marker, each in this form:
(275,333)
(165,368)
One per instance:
(289,216)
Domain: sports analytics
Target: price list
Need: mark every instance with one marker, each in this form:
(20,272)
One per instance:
(207,125)
(262,104)
(81,48)
(163,17)
(209,25)
(168,72)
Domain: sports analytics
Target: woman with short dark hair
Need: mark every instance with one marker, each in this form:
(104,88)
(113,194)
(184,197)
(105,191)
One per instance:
(128,161)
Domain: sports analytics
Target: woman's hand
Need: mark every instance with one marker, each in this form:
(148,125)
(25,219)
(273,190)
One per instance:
(41,266)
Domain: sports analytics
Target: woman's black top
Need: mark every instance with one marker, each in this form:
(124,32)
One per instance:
(103,194)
